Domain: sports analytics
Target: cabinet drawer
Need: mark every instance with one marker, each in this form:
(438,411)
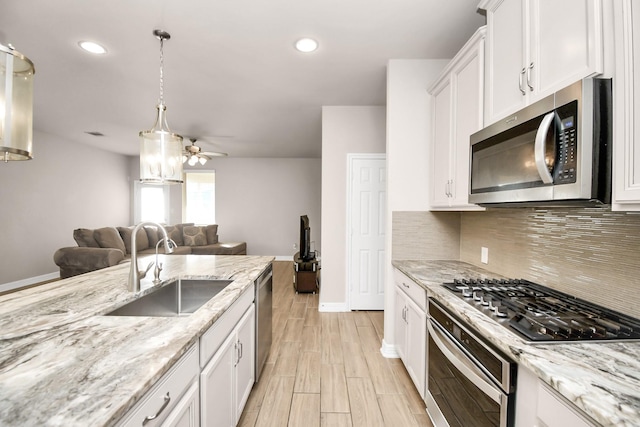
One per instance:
(554,411)
(166,393)
(416,292)
(216,334)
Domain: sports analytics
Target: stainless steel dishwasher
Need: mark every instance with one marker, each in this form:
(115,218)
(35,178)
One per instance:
(264,313)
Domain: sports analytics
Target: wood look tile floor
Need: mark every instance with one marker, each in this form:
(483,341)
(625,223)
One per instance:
(325,369)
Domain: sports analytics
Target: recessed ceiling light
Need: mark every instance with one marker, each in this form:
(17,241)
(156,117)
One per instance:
(92,47)
(306,45)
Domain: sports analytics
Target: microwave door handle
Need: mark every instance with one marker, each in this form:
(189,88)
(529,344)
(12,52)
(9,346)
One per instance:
(464,365)
(540,148)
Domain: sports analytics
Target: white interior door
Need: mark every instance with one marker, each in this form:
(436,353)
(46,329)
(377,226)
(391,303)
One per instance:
(367,204)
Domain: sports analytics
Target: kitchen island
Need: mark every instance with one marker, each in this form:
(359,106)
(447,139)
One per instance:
(63,362)
(601,379)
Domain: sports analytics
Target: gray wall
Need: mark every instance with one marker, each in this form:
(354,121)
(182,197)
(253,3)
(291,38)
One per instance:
(43,200)
(260,200)
(344,130)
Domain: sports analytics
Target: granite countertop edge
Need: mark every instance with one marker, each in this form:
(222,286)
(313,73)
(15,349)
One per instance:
(601,379)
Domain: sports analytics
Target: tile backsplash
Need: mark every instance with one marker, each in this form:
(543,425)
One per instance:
(593,254)
(425,235)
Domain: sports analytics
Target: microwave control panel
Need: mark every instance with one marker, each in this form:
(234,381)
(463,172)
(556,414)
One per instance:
(565,172)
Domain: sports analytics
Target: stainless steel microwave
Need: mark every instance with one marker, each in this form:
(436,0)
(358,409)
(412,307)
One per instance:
(556,151)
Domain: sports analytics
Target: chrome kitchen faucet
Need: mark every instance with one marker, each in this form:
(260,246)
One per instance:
(136,275)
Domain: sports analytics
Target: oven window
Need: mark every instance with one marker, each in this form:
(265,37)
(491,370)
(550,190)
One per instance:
(459,400)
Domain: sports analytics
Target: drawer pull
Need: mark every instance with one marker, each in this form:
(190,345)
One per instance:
(405,285)
(167,399)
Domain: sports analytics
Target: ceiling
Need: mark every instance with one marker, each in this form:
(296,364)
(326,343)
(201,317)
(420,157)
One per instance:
(232,77)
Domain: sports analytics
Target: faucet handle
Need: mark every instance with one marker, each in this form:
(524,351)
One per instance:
(144,273)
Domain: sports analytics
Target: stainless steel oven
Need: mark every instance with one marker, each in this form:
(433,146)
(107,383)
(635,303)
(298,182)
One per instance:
(469,382)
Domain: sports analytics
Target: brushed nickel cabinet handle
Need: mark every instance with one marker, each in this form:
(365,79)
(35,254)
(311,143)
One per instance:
(167,399)
(529,68)
(521,82)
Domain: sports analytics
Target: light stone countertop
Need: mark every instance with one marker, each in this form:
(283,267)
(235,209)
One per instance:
(602,379)
(62,363)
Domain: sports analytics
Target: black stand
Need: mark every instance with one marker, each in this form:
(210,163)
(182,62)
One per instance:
(306,275)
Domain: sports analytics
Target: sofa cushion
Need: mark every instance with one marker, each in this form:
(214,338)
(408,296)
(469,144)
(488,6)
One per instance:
(84,238)
(212,233)
(239,248)
(108,237)
(152,235)
(142,241)
(194,235)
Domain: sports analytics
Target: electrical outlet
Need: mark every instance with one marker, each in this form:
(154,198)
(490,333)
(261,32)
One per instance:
(295,247)
(484,255)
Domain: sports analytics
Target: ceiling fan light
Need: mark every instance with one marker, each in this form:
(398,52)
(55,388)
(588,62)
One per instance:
(202,160)
(193,160)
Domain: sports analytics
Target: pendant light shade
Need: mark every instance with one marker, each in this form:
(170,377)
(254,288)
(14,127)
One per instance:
(160,149)
(16,105)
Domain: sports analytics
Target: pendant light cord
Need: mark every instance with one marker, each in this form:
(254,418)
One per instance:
(161,70)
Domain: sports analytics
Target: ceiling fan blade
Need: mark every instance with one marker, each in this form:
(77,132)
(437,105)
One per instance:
(213,154)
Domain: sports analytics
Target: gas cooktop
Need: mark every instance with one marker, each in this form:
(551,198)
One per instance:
(541,314)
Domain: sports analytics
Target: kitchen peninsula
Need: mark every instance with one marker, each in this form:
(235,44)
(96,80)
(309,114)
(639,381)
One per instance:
(63,362)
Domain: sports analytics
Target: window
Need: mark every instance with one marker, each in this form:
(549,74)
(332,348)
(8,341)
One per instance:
(152,203)
(199,201)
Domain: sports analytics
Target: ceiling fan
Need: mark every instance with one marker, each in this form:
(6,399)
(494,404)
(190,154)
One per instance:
(193,154)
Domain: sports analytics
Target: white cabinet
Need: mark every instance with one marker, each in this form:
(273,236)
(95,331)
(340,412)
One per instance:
(626,145)
(458,112)
(535,47)
(173,400)
(538,405)
(411,328)
(228,377)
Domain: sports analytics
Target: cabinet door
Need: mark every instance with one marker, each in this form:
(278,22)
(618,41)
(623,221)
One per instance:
(566,43)
(416,357)
(506,48)
(626,148)
(441,145)
(187,411)
(245,365)
(468,118)
(400,327)
(216,381)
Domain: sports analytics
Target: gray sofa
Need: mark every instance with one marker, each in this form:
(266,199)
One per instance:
(107,246)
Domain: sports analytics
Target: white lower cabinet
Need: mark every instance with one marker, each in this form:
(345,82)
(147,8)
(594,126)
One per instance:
(537,405)
(228,377)
(173,400)
(411,328)
(210,384)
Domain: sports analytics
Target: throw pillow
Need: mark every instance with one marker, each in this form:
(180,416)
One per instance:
(142,241)
(194,235)
(152,235)
(84,238)
(174,234)
(108,237)
(212,233)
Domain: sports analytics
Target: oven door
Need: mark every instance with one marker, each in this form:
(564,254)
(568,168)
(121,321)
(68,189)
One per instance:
(459,393)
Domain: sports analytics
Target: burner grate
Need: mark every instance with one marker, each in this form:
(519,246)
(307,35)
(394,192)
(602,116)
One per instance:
(542,314)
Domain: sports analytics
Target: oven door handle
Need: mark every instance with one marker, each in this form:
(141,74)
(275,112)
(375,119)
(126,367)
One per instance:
(462,362)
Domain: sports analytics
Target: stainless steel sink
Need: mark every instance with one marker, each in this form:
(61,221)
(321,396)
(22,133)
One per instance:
(179,298)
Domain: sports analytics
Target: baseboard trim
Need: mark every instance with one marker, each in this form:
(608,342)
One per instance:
(389,351)
(28,282)
(284,258)
(333,307)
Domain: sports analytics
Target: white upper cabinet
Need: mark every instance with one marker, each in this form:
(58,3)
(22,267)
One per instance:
(626,145)
(535,47)
(458,112)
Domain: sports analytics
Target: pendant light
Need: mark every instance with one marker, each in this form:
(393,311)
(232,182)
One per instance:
(160,149)
(16,105)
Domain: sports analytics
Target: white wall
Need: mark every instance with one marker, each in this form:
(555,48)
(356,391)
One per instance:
(409,116)
(344,130)
(65,186)
(260,200)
